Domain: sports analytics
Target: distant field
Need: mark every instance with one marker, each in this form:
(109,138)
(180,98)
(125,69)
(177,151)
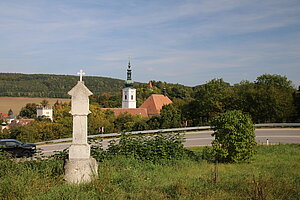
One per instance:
(16,103)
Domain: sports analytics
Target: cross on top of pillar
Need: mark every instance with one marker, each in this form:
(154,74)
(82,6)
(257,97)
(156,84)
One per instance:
(81,73)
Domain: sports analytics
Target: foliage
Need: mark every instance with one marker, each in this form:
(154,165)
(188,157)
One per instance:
(99,118)
(234,137)
(106,100)
(43,129)
(275,80)
(210,100)
(173,90)
(4,134)
(273,174)
(170,117)
(49,85)
(29,111)
(153,149)
(296,96)
(44,103)
(57,86)
(127,122)
(154,122)
(271,98)
(40,131)
(97,150)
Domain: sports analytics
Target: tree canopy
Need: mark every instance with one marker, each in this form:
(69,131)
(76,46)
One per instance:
(234,137)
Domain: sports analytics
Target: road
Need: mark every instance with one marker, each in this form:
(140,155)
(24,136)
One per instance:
(204,138)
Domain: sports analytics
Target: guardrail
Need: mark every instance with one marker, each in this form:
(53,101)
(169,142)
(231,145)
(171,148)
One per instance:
(278,125)
(153,131)
(168,130)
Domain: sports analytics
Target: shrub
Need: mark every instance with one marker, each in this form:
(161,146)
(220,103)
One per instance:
(234,137)
(97,150)
(154,148)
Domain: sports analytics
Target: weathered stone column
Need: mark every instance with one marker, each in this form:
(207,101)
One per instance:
(80,167)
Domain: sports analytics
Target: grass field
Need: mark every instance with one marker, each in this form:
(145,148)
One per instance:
(16,103)
(274,173)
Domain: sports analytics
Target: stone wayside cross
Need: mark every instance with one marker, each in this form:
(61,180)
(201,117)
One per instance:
(80,167)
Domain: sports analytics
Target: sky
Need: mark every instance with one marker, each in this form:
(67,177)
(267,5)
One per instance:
(188,42)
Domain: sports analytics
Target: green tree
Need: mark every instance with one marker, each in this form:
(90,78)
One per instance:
(141,125)
(98,118)
(40,131)
(124,122)
(61,115)
(170,117)
(234,137)
(106,100)
(29,111)
(297,104)
(44,103)
(154,122)
(274,80)
(269,99)
(128,122)
(210,100)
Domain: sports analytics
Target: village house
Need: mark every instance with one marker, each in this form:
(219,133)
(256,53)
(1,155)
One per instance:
(46,112)
(10,120)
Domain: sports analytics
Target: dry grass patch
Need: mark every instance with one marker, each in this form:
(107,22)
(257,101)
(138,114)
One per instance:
(16,103)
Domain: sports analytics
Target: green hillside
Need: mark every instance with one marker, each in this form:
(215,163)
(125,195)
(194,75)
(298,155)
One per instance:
(57,86)
(53,86)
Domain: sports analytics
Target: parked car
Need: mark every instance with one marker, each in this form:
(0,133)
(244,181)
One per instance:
(17,148)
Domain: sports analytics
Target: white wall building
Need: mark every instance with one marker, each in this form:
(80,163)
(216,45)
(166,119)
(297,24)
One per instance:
(44,111)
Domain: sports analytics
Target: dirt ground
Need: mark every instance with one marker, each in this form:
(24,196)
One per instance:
(16,103)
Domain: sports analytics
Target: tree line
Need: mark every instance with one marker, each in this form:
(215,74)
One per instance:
(52,86)
(269,99)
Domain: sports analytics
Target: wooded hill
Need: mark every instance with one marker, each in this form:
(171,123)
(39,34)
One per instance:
(57,86)
(53,86)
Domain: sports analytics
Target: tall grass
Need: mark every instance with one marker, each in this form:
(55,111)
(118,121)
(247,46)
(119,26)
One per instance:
(274,173)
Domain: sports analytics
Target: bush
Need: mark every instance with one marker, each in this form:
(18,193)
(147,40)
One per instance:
(97,150)
(159,147)
(234,137)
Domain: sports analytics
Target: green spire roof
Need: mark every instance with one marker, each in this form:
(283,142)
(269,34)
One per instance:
(129,81)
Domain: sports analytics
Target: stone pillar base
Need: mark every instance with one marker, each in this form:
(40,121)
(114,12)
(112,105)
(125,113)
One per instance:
(79,151)
(80,170)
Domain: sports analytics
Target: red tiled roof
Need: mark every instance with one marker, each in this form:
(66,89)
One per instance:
(20,122)
(3,115)
(132,111)
(23,122)
(154,104)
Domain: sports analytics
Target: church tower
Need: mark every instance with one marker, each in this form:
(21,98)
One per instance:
(129,93)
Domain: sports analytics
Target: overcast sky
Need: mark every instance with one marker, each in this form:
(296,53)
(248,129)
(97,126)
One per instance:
(186,42)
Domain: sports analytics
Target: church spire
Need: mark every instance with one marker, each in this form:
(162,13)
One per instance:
(129,93)
(129,82)
(129,72)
